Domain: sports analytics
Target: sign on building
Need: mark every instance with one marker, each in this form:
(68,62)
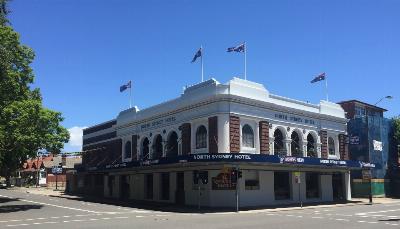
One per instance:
(377,145)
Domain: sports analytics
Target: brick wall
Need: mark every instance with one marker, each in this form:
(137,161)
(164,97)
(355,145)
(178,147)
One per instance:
(264,137)
(186,138)
(343,147)
(234,134)
(213,134)
(324,146)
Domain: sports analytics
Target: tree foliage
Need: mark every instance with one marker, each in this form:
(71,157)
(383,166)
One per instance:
(396,129)
(25,125)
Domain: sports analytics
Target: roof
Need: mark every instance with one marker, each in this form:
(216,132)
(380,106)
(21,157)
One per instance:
(363,103)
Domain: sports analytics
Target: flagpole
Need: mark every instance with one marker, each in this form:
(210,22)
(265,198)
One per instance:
(245,61)
(326,88)
(130,95)
(202,72)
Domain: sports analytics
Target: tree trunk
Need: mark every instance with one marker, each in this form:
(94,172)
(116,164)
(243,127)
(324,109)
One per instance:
(8,177)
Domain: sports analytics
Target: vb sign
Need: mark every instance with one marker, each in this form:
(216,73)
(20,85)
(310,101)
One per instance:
(297,177)
(56,170)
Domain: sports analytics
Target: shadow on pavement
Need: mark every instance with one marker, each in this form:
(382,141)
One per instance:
(169,207)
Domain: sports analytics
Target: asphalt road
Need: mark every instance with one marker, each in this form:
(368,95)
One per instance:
(24,210)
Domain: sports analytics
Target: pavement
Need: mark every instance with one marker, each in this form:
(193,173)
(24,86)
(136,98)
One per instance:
(41,208)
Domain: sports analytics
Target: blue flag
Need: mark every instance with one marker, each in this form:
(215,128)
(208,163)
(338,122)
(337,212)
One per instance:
(197,55)
(239,48)
(319,78)
(125,86)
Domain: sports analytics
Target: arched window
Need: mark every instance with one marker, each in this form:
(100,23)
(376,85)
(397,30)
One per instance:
(247,136)
(201,137)
(295,146)
(128,150)
(311,149)
(157,147)
(279,148)
(331,146)
(145,149)
(172,145)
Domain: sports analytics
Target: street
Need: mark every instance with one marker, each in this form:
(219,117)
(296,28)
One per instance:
(25,210)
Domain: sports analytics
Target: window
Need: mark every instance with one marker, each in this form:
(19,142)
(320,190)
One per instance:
(311,151)
(252,180)
(201,137)
(128,150)
(331,146)
(295,145)
(145,149)
(312,185)
(282,185)
(172,145)
(359,111)
(247,136)
(157,147)
(279,148)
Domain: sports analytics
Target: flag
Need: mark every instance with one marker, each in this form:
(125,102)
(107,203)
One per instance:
(198,54)
(125,86)
(319,78)
(239,48)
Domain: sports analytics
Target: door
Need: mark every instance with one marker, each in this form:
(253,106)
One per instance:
(338,186)
(180,188)
(124,187)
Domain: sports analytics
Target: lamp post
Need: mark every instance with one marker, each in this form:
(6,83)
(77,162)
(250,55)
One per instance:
(386,97)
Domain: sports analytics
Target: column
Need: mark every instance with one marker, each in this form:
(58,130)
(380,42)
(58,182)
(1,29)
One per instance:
(223,133)
(347,185)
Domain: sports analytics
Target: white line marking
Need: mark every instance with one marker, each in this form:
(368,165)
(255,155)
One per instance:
(317,217)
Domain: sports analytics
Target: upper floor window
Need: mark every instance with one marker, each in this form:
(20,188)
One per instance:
(279,147)
(247,136)
(359,111)
(128,150)
(331,146)
(201,137)
(295,144)
(311,149)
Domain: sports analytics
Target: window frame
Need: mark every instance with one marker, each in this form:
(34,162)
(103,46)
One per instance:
(251,146)
(203,138)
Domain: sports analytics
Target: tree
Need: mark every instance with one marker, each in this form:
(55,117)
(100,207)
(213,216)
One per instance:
(25,125)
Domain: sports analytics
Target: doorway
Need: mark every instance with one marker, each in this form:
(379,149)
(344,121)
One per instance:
(338,186)
(180,188)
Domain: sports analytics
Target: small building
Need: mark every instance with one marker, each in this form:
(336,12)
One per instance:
(39,171)
(368,133)
(217,142)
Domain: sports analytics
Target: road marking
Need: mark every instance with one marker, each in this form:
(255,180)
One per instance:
(343,220)
(317,217)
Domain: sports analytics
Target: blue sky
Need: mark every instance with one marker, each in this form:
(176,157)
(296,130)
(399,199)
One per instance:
(86,49)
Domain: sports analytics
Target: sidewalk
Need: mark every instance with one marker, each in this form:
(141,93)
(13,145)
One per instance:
(193,209)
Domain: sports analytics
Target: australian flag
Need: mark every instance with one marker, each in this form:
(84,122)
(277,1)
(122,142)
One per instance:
(319,78)
(197,55)
(125,86)
(239,48)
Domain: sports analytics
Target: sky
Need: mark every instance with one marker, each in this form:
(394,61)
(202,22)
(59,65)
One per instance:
(86,49)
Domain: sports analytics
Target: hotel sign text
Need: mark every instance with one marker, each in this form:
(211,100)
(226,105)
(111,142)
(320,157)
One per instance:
(157,123)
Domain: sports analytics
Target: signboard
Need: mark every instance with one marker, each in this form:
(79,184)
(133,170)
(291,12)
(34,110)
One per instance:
(223,181)
(377,145)
(297,177)
(366,175)
(56,170)
(234,158)
(354,140)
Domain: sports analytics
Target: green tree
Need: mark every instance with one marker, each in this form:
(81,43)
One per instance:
(25,125)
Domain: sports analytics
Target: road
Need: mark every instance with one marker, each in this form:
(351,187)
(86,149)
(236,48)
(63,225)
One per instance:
(25,210)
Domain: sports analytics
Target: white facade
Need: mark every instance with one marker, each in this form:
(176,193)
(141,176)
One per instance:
(249,102)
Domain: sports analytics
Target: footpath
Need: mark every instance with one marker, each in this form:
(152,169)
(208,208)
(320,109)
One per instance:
(61,194)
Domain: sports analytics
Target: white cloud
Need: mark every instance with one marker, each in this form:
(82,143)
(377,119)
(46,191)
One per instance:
(75,139)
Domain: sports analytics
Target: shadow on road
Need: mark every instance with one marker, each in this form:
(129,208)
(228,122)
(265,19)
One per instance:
(6,200)
(8,208)
(390,220)
(17,208)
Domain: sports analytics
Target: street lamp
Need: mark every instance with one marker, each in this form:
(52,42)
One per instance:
(386,97)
